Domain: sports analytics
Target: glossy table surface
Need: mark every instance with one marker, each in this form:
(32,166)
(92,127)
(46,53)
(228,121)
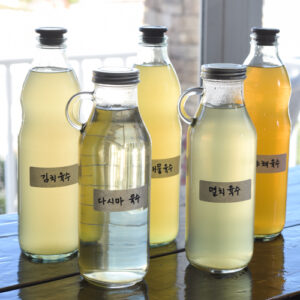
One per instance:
(274,271)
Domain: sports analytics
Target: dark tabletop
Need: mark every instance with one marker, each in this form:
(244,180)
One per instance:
(274,271)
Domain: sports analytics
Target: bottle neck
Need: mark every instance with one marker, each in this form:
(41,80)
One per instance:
(153,54)
(50,57)
(223,94)
(263,55)
(116,96)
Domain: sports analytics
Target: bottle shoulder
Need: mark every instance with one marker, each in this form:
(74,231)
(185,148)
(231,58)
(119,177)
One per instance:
(228,120)
(48,82)
(265,77)
(166,69)
(263,56)
(121,126)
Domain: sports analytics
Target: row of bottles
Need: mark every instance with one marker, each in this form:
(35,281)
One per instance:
(224,171)
(126,159)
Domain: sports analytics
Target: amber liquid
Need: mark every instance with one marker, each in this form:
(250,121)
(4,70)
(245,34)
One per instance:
(267,94)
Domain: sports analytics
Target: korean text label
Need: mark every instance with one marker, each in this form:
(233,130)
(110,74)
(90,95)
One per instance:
(224,192)
(121,200)
(53,177)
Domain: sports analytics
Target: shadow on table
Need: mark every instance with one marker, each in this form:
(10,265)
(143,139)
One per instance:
(136,292)
(264,277)
(30,271)
(158,251)
(267,268)
(70,287)
(203,285)
(162,275)
(76,288)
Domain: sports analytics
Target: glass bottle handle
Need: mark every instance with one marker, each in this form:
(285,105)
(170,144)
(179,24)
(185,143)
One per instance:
(181,103)
(74,122)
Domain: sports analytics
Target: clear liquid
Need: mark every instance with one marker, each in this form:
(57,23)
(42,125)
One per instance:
(158,93)
(48,217)
(221,148)
(115,154)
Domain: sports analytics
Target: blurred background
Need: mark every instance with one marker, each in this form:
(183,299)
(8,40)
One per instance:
(105,32)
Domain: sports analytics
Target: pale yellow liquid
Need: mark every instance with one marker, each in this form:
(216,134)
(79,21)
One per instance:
(48,217)
(221,148)
(158,93)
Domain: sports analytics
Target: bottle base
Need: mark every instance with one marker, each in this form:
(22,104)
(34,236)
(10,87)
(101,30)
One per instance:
(266,237)
(161,244)
(217,271)
(114,280)
(53,258)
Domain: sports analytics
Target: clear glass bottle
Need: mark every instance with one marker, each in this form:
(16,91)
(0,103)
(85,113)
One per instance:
(158,93)
(221,160)
(47,158)
(114,182)
(267,95)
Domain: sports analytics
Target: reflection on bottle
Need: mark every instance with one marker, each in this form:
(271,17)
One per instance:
(137,292)
(162,274)
(203,285)
(267,269)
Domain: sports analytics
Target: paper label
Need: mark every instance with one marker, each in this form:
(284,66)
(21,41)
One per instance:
(224,192)
(271,163)
(53,177)
(121,200)
(168,167)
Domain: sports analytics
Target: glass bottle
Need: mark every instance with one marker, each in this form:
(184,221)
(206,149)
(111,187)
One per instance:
(221,159)
(48,160)
(267,94)
(158,93)
(114,182)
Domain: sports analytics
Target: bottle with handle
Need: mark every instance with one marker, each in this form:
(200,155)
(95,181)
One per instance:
(221,159)
(114,181)
(158,93)
(47,155)
(267,94)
